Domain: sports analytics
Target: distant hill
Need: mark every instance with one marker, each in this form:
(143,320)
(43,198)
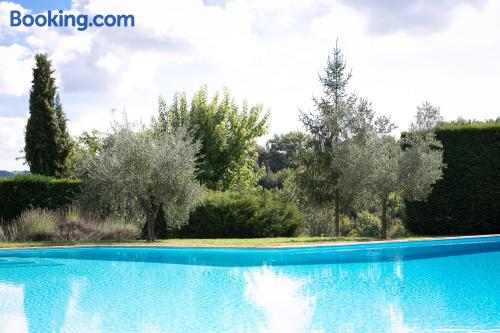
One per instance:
(5,173)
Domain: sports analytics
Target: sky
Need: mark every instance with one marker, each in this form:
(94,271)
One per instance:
(270,52)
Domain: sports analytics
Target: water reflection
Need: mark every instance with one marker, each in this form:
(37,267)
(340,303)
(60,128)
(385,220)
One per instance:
(12,317)
(393,296)
(76,320)
(285,305)
(396,321)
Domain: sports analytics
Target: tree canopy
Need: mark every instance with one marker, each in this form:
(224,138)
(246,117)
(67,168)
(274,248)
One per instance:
(281,151)
(137,174)
(47,142)
(338,117)
(226,132)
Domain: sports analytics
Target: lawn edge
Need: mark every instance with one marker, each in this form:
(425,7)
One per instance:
(245,246)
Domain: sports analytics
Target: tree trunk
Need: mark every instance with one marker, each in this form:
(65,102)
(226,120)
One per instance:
(150,221)
(337,213)
(383,232)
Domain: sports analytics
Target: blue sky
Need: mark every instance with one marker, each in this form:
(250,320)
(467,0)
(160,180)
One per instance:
(267,51)
(39,6)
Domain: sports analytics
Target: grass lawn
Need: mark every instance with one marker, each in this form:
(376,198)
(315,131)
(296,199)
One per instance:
(238,242)
(231,242)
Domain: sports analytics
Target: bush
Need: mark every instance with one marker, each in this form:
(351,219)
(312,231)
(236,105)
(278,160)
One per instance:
(69,225)
(397,229)
(366,224)
(2,235)
(346,225)
(118,229)
(319,221)
(243,215)
(34,225)
(467,199)
(22,192)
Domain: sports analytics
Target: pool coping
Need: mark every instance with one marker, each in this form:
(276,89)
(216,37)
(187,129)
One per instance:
(285,246)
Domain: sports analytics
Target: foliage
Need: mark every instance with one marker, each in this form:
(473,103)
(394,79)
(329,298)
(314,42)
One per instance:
(346,225)
(64,142)
(279,158)
(87,144)
(47,142)
(316,178)
(368,224)
(281,151)
(22,192)
(2,234)
(33,224)
(339,126)
(365,224)
(467,199)
(356,155)
(397,229)
(69,225)
(249,214)
(136,173)
(275,180)
(408,168)
(228,154)
(427,118)
(318,220)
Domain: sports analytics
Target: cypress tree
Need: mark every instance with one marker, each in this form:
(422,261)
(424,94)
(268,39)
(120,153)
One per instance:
(45,145)
(64,143)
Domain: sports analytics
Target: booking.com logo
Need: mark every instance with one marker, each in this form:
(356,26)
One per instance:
(59,19)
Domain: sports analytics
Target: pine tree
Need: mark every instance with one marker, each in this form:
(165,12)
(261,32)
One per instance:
(46,140)
(327,126)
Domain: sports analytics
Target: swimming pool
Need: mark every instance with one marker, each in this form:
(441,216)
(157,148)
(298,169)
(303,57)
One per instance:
(448,285)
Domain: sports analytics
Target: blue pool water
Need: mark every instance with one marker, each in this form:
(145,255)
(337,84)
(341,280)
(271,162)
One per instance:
(427,286)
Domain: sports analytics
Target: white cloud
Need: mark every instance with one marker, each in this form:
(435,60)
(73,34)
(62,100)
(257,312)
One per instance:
(109,62)
(11,142)
(5,8)
(15,70)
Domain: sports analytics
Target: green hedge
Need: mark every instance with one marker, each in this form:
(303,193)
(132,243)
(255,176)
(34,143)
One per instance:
(467,199)
(34,191)
(244,215)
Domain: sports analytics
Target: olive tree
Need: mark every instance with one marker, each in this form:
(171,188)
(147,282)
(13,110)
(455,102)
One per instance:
(135,173)
(408,167)
(373,164)
(422,163)
(352,157)
(385,158)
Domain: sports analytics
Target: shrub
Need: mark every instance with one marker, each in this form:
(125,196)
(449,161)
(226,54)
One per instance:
(366,224)
(22,192)
(346,225)
(319,220)
(243,215)
(2,235)
(467,199)
(119,229)
(69,225)
(397,229)
(34,225)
